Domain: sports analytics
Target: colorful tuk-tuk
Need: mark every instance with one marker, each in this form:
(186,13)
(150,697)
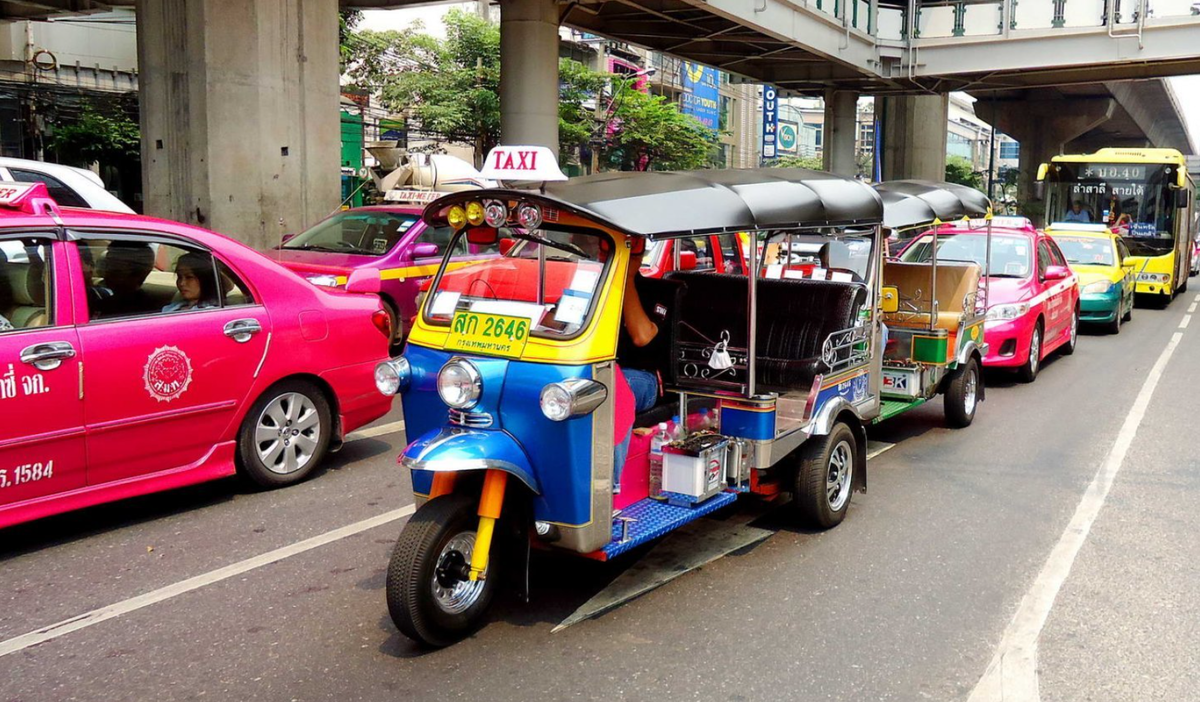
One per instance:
(515,396)
(933,311)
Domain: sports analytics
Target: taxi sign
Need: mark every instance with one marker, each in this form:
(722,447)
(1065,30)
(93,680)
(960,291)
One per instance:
(521,163)
(423,197)
(490,334)
(32,198)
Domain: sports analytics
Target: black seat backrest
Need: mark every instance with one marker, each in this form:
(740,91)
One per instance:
(794,319)
(662,300)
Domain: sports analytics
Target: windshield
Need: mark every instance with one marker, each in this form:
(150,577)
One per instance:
(373,233)
(1086,251)
(1134,199)
(1011,255)
(845,259)
(551,278)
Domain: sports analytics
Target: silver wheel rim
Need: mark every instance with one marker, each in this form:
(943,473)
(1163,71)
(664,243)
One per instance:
(288,433)
(838,476)
(458,597)
(1074,327)
(969,391)
(1035,350)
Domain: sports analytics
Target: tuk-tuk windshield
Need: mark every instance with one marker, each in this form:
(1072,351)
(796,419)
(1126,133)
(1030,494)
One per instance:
(369,232)
(1011,254)
(550,277)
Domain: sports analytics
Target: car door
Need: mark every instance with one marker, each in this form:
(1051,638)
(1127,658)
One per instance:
(1062,292)
(163,382)
(42,433)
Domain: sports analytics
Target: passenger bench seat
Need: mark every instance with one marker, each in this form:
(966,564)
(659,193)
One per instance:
(911,280)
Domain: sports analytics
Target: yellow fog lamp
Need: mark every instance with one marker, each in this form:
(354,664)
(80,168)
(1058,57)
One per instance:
(457,217)
(475,213)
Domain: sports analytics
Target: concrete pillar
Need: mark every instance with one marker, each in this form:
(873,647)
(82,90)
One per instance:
(529,72)
(841,132)
(1043,128)
(914,136)
(239,113)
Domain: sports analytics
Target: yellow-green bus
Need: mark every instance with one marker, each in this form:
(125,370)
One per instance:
(1144,195)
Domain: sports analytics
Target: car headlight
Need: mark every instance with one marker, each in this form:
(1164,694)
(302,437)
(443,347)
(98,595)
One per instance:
(1100,286)
(393,375)
(569,398)
(324,281)
(459,383)
(1007,312)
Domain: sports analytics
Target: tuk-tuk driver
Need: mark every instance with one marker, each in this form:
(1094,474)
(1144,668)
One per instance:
(642,385)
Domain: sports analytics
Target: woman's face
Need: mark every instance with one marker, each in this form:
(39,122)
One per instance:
(188,284)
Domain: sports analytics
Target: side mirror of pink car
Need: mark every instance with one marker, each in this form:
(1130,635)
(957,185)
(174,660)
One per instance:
(1057,272)
(364,280)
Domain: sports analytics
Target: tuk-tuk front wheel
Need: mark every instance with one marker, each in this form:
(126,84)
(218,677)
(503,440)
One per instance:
(962,395)
(430,597)
(825,477)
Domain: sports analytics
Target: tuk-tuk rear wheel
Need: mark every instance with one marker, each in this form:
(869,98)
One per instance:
(429,598)
(962,395)
(825,477)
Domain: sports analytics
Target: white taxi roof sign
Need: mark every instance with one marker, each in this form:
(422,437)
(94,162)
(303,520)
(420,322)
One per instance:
(13,194)
(521,163)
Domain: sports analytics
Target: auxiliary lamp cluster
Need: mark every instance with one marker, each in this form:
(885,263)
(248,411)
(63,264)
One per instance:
(493,213)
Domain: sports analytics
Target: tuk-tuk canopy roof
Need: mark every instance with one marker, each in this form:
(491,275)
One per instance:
(909,203)
(669,204)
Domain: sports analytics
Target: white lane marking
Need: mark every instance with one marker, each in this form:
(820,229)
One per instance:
(1197,298)
(1183,323)
(132,604)
(874,448)
(1012,674)
(371,432)
(1192,307)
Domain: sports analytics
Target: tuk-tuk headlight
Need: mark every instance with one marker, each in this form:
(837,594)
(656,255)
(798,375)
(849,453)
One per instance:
(393,375)
(475,213)
(495,214)
(459,383)
(570,398)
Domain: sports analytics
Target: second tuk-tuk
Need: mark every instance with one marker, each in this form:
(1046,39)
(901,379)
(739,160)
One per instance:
(515,395)
(933,311)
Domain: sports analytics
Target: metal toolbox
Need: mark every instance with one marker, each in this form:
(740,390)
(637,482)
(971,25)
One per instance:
(696,466)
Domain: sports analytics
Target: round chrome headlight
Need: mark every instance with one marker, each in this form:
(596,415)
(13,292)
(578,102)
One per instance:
(573,397)
(392,375)
(459,383)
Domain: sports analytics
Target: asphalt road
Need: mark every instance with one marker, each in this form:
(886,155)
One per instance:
(909,599)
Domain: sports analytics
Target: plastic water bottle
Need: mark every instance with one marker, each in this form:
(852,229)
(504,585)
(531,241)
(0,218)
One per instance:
(677,429)
(706,421)
(657,441)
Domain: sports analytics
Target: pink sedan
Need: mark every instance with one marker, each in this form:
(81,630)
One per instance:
(139,355)
(1033,296)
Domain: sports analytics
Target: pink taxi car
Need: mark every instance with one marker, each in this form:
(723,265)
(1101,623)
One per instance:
(139,355)
(1032,294)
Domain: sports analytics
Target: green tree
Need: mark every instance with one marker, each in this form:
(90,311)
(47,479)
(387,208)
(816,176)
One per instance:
(348,20)
(649,132)
(962,171)
(109,138)
(810,162)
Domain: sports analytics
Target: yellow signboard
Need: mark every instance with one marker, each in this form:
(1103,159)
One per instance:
(488,334)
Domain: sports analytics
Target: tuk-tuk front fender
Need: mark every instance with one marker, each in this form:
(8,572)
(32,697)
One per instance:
(459,449)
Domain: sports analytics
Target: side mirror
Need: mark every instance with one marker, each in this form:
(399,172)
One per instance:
(1181,199)
(1039,190)
(1128,264)
(889,299)
(506,245)
(364,280)
(687,260)
(286,238)
(483,236)
(424,250)
(1057,272)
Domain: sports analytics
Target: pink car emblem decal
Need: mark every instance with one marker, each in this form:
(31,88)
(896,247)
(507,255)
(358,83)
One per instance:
(168,373)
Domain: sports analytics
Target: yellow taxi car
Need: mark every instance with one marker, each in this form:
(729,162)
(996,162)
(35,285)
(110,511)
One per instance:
(1106,277)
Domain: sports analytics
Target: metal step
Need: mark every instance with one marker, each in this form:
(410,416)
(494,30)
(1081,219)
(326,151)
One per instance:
(649,519)
(891,408)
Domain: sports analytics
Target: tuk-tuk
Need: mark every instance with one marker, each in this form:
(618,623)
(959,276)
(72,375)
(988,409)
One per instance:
(513,389)
(933,311)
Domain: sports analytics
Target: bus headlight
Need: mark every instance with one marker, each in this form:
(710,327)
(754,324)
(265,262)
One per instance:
(571,398)
(459,383)
(1098,287)
(393,375)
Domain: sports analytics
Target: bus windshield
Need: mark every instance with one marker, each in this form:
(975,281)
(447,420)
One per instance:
(1133,199)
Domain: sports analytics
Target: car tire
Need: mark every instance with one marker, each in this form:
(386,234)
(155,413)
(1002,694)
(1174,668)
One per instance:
(1073,340)
(1029,372)
(397,338)
(440,617)
(962,395)
(285,435)
(1114,327)
(826,466)
(1129,314)
(1182,288)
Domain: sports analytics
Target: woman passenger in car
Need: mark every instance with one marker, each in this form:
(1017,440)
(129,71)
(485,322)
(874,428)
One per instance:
(196,283)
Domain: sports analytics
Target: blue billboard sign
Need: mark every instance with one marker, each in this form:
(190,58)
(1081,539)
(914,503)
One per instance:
(770,130)
(700,98)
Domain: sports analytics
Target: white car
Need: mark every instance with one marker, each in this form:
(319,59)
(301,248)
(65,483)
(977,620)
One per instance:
(70,187)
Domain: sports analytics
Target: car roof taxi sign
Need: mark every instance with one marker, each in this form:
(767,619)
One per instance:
(30,198)
(535,163)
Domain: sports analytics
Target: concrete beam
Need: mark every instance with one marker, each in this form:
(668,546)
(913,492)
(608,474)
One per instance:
(239,114)
(841,132)
(914,136)
(529,79)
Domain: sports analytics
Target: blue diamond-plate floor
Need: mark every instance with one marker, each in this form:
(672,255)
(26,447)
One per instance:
(650,519)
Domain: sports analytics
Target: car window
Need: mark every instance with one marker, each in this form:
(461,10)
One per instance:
(26,284)
(62,194)
(730,252)
(1056,254)
(1122,251)
(1043,259)
(364,232)
(128,278)
(700,246)
(234,292)
(441,237)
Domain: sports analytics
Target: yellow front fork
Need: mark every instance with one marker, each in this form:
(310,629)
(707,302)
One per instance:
(489,511)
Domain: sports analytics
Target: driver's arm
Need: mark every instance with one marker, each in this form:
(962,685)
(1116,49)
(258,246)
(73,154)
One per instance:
(641,328)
